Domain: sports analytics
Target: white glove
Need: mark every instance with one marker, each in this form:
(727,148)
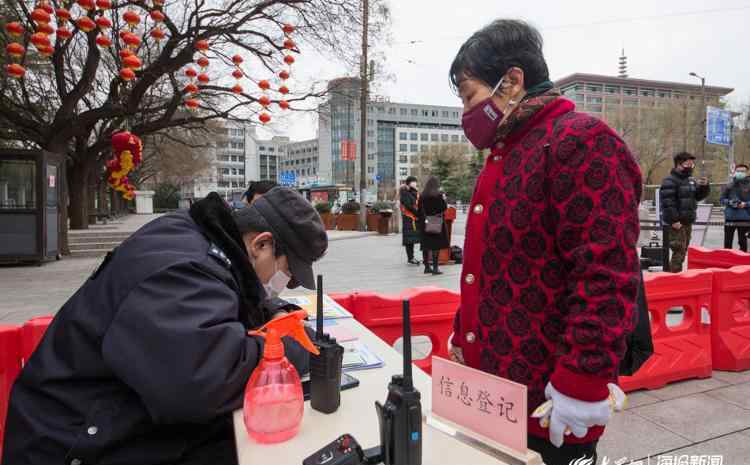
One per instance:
(564,415)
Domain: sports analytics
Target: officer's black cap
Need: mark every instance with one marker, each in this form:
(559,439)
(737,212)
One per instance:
(295,226)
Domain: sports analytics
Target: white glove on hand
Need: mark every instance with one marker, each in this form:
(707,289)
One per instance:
(565,415)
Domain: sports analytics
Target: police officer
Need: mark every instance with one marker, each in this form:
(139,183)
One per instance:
(147,361)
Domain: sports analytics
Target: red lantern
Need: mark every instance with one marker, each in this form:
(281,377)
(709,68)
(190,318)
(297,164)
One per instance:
(46,51)
(203,62)
(15,70)
(264,100)
(103,41)
(237,89)
(132,18)
(237,60)
(86,24)
(64,33)
(158,34)
(131,40)
(103,23)
(237,74)
(40,16)
(45,29)
(289,44)
(201,45)
(264,85)
(191,103)
(265,118)
(157,16)
(284,90)
(127,74)
(14,29)
(104,4)
(132,62)
(191,73)
(288,28)
(87,5)
(191,89)
(62,14)
(124,53)
(15,50)
(289,59)
(284,75)
(284,105)
(39,39)
(203,78)
(48,8)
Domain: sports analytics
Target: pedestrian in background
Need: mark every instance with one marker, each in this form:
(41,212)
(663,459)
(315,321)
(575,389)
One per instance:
(409,199)
(431,225)
(679,196)
(736,200)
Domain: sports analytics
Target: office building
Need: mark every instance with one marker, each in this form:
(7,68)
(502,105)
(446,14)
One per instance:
(302,159)
(396,134)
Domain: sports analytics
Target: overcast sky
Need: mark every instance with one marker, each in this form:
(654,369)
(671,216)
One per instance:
(663,40)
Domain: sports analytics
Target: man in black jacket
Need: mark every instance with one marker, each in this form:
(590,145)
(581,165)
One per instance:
(409,200)
(147,361)
(679,196)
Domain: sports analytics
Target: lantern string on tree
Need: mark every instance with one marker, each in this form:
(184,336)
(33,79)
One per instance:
(285,74)
(237,74)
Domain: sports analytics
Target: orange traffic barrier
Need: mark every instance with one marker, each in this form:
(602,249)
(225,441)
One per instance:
(432,312)
(32,333)
(681,351)
(701,258)
(10,367)
(730,319)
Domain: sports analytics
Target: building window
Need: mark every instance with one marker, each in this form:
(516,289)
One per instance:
(647,92)
(223,157)
(403,172)
(464,139)
(568,91)
(594,88)
(261,148)
(664,94)
(414,148)
(270,149)
(454,138)
(403,159)
(612,89)
(595,100)
(391,111)
(629,91)
(370,156)
(381,109)
(225,171)
(413,136)
(424,137)
(446,114)
(434,114)
(425,113)
(578,98)
(370,145)
(403,148)
(434,137)
(403,112)
(370,133)
(370,169)
(455,114)
(241,172)
(414,112)
(444,137)
(403,136)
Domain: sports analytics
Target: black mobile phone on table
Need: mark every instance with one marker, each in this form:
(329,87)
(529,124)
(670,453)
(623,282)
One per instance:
(347,382)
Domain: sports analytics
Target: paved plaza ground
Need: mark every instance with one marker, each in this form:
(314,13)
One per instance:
(694,418)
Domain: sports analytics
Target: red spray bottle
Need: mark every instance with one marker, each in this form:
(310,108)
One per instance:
(274,402)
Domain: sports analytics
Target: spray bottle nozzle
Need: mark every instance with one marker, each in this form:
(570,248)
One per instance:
(288,325)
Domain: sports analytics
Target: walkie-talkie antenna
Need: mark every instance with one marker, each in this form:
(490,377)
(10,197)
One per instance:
(408,382)
(319,321)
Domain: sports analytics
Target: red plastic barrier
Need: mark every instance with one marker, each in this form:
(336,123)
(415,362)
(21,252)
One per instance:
(10,367)
(701,258)
(730,319)
(682,351)
(345,300)
(33,332)
(432,312)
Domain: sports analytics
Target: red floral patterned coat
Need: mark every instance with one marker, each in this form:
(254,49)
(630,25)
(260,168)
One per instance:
(550,270)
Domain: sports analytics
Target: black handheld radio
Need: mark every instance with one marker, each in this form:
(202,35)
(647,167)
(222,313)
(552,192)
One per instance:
(325,368)
(401,416)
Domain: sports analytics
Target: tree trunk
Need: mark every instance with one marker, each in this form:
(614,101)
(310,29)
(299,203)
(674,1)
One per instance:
(78,189)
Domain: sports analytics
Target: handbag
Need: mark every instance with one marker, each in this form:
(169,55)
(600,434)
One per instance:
(433,224)
(640,345)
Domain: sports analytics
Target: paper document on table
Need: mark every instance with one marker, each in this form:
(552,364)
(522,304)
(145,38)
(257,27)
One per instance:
(331,308)
(357,356)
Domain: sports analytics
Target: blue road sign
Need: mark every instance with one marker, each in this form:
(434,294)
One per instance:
(718,126)
(378,178)
(288,178)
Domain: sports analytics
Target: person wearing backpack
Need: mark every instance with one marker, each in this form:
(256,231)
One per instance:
(431,225)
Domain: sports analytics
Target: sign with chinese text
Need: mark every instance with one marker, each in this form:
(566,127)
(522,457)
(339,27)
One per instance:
(718,126)
(480,402)
(348,150)
(321,196)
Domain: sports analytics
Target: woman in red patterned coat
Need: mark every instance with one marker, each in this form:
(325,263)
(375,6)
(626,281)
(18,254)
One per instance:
(550,272)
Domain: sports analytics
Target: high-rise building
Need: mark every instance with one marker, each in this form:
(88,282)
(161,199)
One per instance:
(302,159)
(396,134)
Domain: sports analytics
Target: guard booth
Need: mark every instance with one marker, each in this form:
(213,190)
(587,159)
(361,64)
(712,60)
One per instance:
(30,202)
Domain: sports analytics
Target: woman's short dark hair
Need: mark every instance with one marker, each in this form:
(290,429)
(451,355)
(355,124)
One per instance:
(493,50)
(431,188)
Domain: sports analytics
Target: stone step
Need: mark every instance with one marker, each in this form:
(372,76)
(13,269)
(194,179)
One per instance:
(87,253)
(100,237)
(103,246)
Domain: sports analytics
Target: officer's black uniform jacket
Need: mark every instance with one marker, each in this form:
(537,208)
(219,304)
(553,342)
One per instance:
(147,361)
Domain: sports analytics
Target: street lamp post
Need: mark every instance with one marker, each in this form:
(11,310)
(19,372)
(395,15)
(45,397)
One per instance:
(703,110)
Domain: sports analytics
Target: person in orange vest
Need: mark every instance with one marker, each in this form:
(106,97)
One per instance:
(409,199)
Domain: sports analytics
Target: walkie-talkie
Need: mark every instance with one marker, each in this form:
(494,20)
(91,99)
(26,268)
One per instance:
(325,368)
(401,416)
